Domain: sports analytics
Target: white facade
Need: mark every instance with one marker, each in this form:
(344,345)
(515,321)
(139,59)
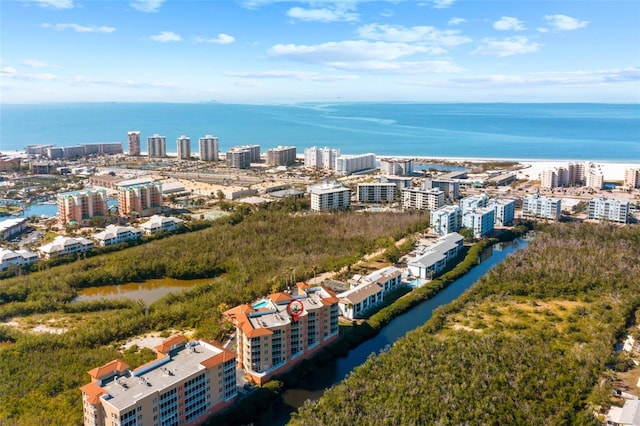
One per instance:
(10,258)
(474,202)
(377,192)
(329,196)
(451,187)
(595,178)
(540,206)
(396,166)
(61,246)
(281,156)
(422,199)
(160,223)
(117,234)
(347,164)
(157,146)
(208,148)
(480,220)
(184,147)
(505,211)
(321,158)
(609,209)
(367,292)
(632,178)
(445,220)
(427,262)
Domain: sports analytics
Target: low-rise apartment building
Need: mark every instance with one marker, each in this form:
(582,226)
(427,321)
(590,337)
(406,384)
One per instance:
(9,258)
(505,211)
(157,224)
(428,261)
(189,382)
(480,220)
(62,245)
(422,199)
(377,192)
(329,196)
(367,292)
(541,207)
(11,227)
(445,220)
(609,209)
(114,234)
(277,332)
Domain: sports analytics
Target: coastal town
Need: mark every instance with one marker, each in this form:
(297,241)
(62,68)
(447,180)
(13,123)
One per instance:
(107,198)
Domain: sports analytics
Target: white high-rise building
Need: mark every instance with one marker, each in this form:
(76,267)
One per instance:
(157,146)
(632,178)
(184,147)
(504,211)
(480,220)
(329,196)
(281,156)
(320,158)
(474,202)
(609,209)
(347,164)
(445,220)
(396,166)
(208,148)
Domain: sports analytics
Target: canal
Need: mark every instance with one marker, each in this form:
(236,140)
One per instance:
(337,369)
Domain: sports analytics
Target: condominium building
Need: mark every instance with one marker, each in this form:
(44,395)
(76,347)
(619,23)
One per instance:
(157,146)
(139,197)
(609,209)
(281,156)
(114,234)
(595,178)
(208,148)
(451,187)
(188,383)
(277,332)
(367,292)
(377,192)
(184,147)
(134,142)
(17,258)
(445,220)
(428,261)
(542,207)
(11,227)
(238,158)
(254,151)
(632,178)
(347,164)
(62,245)
(81,206)
(396,166)
(422,199)
(505,211)
(321,158)
(480,220)
(157,224)
(329,196)
(473,202)
(573,174)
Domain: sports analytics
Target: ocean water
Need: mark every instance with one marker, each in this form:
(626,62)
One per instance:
(608,132)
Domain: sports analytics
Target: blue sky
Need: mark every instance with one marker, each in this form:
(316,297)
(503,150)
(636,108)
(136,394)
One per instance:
(292,51)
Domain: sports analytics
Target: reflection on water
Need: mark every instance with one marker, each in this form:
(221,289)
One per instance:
(148,291)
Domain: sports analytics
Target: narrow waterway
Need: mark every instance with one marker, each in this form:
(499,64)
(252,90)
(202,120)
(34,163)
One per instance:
(337,369)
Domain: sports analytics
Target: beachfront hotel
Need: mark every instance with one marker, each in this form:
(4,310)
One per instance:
(573,174)
(541,207)
(208,148)
(348,164)
(396,166)
(189,382)
(133,138)
(157,146)
(81,206)
(139,197)
(422,199)
(329,196)
(279,331)
(321,158)
(281,156)
(609,209)
(184,147)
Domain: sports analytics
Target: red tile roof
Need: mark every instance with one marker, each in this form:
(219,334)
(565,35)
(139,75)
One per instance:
(94,392)
(172,341)
(108,369)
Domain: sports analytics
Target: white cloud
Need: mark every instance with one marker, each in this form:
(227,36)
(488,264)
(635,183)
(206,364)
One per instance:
(506,47)
(33,63)
(80,28)
(323,15)
(295,75)
(543,30)
(564,22)
(398,67)
(221,39)
(165,37)
(419,34)
(508,23)
(442,4)
(8,70)
(456,21)
(147,6)
(11,72)
(53,4)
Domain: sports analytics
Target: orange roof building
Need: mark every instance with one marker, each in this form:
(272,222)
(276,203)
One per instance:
(277,332)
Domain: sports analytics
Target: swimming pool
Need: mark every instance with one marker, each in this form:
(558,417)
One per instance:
(416,283)
(261,304)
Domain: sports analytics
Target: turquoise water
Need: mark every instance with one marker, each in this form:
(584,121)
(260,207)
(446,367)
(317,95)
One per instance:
(543,131)
(261,304)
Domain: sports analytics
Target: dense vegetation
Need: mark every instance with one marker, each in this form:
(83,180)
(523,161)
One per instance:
(526,345)
(248,254)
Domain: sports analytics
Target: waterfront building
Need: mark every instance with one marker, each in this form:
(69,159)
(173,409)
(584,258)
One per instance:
(184,147)
(114,234)
(139,197)
(595,178)
(40,149)
(451,187)
(381,191)
(480,220)
(279,331)
(81,206)
(186,384)
(157,146)
(105,148)
(133,139)
(238,158)
(401,182)
(254,152)
(367,292)
(62,245)
(573,174)
(505,211)
(157,224)
(321,158)
(428,261)
(348,164)
(329,196)
(445,220)
(632,178)
(609,209)
(422,199)
(396,166)
(208,148)
(11,227)
(19,258)
(281,156)
(473,202)
(541,207)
